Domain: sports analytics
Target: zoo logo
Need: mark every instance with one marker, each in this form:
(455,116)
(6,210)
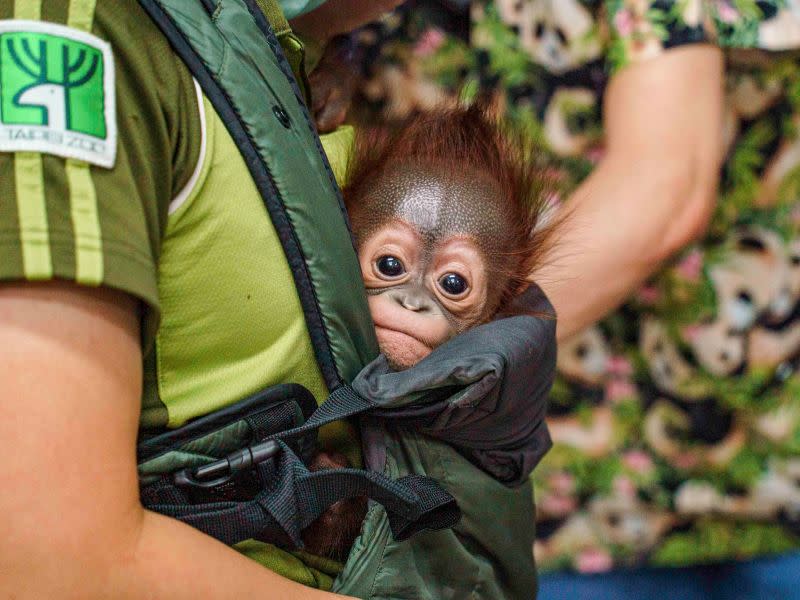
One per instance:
(57,92)
(51,81)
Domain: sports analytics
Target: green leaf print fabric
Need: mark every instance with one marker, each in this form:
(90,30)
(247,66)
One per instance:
(676,420)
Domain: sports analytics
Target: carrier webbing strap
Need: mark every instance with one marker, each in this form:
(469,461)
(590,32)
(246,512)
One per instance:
(275,16)
(307,211)
(284,496)
(290,497)
(343,403)
(292,47)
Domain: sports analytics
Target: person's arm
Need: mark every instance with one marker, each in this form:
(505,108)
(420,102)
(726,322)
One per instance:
(71,524)
(334,70)
(652,193)
(337,17)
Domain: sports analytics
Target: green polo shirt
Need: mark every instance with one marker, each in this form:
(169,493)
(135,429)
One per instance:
(172,218)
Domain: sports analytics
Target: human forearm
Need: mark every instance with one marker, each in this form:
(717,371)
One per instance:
(158,558)
(623,222)
(652,193)
(336,17)
(174,561)
(71,524)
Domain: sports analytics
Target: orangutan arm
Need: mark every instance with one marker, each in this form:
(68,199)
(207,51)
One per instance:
(652,193)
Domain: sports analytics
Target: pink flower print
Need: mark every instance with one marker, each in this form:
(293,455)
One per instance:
(561,483)
(726,12)
(624,22)
(619,389)
(556,506)
(429,42)
(649,295)
(690,333)
(691,266)
(639,462)
(624,486)
(796,214)
(619,365)
(593,560)
(595,153)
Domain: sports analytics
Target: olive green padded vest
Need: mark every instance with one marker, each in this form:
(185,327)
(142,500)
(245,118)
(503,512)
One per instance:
(238,62)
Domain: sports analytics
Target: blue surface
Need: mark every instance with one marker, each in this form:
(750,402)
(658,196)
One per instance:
(765,579)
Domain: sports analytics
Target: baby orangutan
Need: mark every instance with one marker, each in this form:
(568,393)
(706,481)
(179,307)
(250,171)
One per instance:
(444,212)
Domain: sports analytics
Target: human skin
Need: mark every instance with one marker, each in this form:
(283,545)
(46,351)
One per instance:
(337,17)
(333,82)
(334,79)
(71,524)
(652,193)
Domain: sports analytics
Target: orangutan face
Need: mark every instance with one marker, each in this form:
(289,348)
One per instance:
(428,244)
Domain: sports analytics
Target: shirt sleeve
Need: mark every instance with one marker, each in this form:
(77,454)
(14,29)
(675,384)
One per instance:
(643,29)
(640,30)
(71,217)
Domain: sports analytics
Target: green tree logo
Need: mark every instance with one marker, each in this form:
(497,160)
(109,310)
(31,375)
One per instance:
(51,81)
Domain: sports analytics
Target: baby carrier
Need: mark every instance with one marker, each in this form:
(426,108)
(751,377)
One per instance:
(448,444)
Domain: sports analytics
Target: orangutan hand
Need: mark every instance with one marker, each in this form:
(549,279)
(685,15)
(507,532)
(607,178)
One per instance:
(333,533)
(332,83)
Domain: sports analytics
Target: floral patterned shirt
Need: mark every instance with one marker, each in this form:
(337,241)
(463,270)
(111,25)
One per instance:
(676,420)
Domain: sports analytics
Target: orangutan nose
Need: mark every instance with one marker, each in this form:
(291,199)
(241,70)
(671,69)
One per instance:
(414,302)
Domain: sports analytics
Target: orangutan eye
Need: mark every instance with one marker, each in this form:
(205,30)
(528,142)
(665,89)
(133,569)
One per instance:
(390,266)
(453,284)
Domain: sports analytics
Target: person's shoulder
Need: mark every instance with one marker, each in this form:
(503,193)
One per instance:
(99,130)
(122,25)
(78,14)
(131,31)
(111,63)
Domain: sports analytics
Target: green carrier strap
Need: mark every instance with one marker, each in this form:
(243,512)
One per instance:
(277,20)
(293,48)
(263,109)
(262,488)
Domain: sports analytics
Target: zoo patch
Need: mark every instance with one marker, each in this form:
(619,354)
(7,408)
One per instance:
(57,92)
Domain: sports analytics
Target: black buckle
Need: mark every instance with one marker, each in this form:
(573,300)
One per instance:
(225,469)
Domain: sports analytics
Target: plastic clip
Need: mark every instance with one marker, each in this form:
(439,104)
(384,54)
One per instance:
(223,470)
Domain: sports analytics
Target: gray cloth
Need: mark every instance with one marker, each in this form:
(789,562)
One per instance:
(484,392)
(471,417)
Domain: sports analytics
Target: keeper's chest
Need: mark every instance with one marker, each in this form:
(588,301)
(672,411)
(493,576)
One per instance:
(259,259)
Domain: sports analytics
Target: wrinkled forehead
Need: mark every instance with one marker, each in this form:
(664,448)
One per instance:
(440,204)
